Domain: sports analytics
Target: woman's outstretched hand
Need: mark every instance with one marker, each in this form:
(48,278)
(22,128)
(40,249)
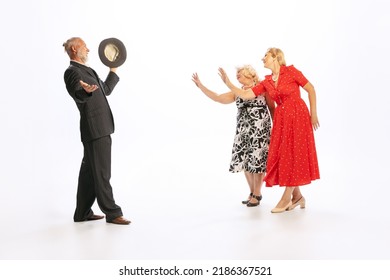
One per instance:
(223,75)
(196,80)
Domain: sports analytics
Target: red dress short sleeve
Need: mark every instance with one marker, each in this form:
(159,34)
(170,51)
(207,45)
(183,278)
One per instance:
(258,89)
(297,76)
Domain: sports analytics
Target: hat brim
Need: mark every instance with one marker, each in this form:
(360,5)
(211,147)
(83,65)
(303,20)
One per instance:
(112,52)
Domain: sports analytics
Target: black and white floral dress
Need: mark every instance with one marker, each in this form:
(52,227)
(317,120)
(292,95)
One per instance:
(250,147)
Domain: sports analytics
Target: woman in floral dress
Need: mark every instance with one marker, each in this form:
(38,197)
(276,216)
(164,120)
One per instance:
(251,141)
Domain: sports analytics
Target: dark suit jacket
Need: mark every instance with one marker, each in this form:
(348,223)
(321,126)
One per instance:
(96,118)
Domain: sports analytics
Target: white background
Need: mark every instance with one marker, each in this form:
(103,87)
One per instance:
(171,148)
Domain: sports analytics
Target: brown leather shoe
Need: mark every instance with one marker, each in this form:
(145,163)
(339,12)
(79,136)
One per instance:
(119,221)
(95,217)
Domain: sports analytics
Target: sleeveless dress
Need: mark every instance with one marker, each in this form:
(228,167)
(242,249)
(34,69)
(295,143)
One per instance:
(251,141)
(292,159)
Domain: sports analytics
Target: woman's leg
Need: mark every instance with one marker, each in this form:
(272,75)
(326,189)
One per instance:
(257,183)
(297,199)
(250,180)
(296,195)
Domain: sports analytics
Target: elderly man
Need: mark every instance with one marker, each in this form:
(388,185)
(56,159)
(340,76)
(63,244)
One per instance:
(96,126)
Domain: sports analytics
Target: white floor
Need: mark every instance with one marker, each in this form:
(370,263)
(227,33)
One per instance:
(191,215)
(205,220)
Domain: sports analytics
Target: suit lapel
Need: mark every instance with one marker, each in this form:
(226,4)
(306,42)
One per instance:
(91,72)
(98,79)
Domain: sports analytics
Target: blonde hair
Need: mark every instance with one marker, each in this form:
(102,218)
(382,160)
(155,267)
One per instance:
(72,42)
(278,54)
(249,72)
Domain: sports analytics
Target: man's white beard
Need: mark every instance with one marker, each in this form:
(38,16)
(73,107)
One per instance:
(84,59)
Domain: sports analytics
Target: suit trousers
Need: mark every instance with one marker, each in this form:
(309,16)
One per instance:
(94,181)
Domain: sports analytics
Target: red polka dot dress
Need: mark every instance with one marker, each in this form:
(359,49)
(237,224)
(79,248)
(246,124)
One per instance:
(292,157)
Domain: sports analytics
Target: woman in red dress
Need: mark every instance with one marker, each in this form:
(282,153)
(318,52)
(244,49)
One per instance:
(292,157)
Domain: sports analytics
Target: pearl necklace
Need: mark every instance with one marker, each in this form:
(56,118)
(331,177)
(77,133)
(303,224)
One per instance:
(248,86)
(275,77)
